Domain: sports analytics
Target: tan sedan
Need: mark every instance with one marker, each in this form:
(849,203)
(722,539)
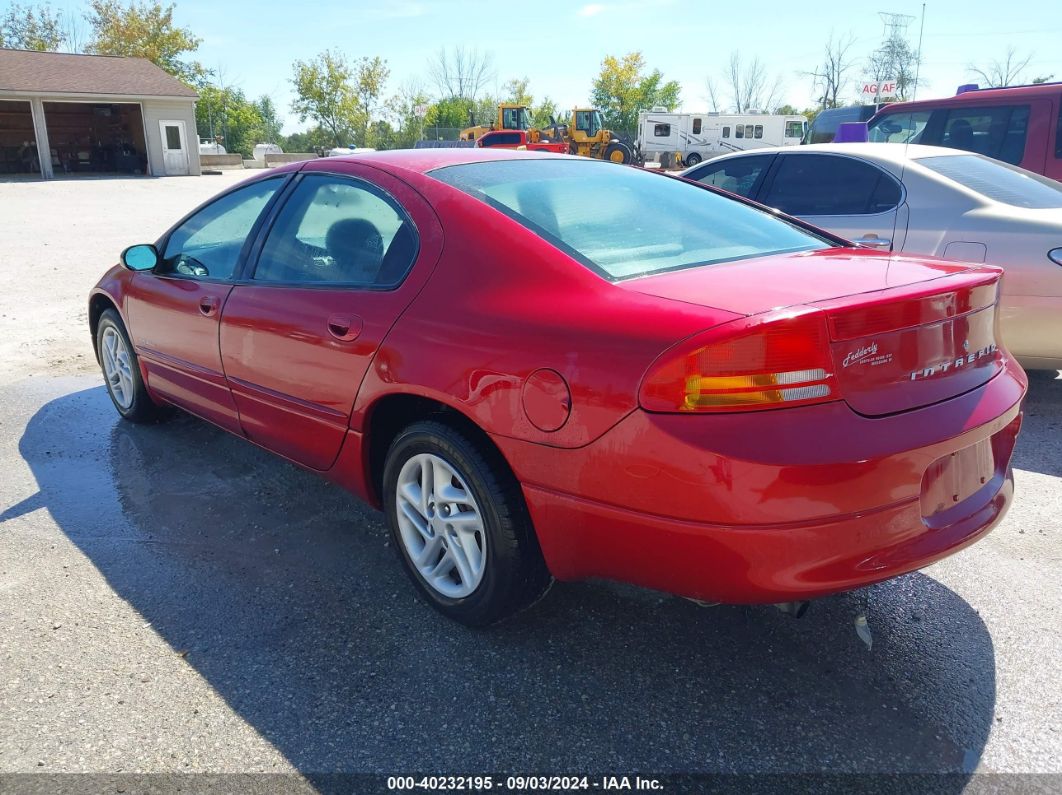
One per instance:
(925,200)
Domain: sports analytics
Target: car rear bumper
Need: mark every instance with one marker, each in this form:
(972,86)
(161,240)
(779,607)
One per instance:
(747,509)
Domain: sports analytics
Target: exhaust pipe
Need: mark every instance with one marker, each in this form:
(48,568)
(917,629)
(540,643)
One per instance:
(794,609)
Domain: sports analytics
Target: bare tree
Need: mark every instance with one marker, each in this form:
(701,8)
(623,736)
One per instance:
(713,94)
(895,60)
(1002,73)
(831,75)
(461,73)
(751,88)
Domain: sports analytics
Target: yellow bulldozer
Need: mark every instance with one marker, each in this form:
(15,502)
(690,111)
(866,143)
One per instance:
(510,117)
(584,132)
(586,135)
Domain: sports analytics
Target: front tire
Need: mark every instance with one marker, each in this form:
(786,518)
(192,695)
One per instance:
(460,525)
(121,372)
(619,152)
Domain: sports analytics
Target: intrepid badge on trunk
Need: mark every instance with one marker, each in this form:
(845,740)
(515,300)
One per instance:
(962,361)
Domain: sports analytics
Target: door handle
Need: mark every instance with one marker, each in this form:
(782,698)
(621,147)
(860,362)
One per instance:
(208,305)
(344,327)
(873,241)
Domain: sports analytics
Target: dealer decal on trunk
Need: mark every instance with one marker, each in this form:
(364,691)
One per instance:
(868,354)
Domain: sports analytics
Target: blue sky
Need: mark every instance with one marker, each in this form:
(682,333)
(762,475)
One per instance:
(559,45)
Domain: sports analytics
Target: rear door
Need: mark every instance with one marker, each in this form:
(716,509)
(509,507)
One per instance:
(343,257)
(845,195)
(174,310)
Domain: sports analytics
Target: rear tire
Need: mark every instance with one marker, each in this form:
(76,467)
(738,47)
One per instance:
(692,159)
(619,152)
(121,372)
(460,525)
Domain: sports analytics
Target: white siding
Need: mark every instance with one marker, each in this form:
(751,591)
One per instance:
(156,110)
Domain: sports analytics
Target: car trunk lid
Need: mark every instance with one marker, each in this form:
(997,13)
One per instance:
(903,332)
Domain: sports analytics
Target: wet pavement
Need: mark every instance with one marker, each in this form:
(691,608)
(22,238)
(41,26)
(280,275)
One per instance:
(173,599)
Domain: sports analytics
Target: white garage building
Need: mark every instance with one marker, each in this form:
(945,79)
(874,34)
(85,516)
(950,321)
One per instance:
(63,114)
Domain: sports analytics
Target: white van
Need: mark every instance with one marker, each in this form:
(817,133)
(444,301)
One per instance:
(700,136)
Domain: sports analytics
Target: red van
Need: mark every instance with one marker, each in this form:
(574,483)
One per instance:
(1020,125)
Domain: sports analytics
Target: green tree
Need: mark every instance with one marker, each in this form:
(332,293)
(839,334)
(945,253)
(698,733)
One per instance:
(370,78)
(29,28)
(270,130)
(543,112)
(145,30)
(225,112)
(624,87)
(895,60)
(516,91)
(324,93)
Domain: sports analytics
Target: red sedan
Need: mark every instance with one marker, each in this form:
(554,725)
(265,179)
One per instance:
(544,366)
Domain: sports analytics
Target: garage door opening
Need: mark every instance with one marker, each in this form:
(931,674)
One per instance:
(96,138)
(18,144)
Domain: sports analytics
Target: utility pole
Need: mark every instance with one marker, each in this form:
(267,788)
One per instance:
(895,30)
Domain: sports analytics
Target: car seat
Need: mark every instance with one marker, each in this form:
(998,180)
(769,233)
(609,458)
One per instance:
(356,249)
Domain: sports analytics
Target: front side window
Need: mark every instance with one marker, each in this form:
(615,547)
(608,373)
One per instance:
(738,175)
(794,129)
(998,181)
(338,231)
(807,184)
(902,128)
(623,222)
(662,130)
(208,244)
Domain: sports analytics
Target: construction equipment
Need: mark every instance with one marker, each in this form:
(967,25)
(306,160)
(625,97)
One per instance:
(510,117)
(586,135)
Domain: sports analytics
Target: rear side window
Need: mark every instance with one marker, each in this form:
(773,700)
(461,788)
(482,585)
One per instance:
(997,131)
(501,139)
(998,181)
(623,222)
(338,231)
(807,184)
(739,175)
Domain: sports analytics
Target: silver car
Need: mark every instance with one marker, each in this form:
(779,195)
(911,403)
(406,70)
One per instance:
(925,200)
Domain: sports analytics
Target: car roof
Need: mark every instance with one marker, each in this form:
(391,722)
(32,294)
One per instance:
(423,160)
(977,95)
(883,152)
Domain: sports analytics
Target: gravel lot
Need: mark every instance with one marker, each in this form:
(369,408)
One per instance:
(174,600)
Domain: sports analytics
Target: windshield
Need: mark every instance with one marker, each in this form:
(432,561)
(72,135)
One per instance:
(623,222)
(998,181)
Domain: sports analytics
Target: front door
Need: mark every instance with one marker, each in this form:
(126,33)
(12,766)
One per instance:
(175,309)
(174,148)
(342,259)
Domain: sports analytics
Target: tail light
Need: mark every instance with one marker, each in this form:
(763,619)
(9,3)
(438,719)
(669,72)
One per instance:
(770,361)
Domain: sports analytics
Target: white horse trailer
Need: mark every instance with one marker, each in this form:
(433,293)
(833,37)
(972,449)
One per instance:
(700,136)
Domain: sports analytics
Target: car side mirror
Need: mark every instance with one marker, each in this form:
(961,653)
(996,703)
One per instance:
(142,257)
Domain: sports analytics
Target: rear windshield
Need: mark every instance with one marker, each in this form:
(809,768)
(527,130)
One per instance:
(622,222)
(998,181)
